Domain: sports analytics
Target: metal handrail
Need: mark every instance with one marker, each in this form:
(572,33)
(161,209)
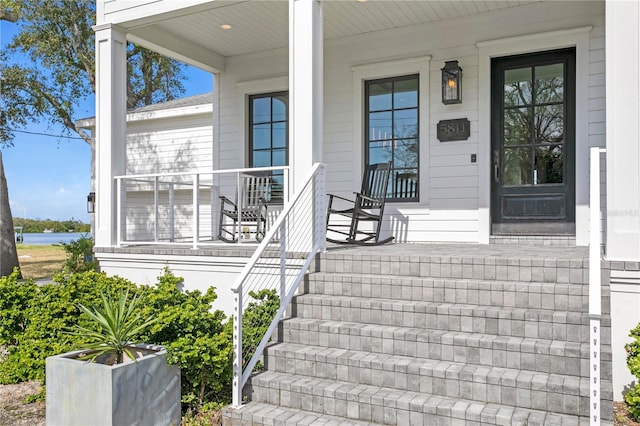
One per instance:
(595,299)
(279,263)
(197,180)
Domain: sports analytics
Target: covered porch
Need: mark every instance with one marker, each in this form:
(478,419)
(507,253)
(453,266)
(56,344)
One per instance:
(329,61)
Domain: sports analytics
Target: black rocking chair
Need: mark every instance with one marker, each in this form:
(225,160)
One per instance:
(253,210)
(368,206)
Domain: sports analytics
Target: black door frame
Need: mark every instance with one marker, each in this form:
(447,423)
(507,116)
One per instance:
(533,226)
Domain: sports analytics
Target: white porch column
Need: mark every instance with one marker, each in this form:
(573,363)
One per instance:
(111,106)
(305,87)
(623,177)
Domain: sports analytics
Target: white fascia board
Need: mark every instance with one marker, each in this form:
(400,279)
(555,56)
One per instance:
(90,123)
(169,44)
(170,113)
(136,12)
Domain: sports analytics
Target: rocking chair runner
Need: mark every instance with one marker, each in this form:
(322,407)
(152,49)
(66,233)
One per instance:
(253,209)
(368,206)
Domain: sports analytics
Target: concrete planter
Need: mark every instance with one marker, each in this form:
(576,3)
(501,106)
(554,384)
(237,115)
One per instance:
(145,392)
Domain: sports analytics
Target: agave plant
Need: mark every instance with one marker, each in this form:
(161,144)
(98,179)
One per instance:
(118,325)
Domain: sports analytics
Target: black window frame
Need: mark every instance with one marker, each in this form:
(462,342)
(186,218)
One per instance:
(391,196)
(278,199)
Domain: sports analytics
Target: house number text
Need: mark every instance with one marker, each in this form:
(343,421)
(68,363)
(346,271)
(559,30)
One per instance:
(454,130)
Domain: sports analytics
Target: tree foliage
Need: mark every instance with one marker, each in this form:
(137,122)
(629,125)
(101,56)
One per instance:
(39,225)
(49,67)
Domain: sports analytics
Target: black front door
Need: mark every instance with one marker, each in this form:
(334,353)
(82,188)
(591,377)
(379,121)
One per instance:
(533,143)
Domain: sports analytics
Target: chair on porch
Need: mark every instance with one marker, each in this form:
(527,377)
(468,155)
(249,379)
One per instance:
(236,218)
(366,210)
(406,185)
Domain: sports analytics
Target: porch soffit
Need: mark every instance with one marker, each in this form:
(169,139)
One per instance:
(263,25)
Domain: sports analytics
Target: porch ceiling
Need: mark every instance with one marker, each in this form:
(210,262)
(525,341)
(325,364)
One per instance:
(263,25)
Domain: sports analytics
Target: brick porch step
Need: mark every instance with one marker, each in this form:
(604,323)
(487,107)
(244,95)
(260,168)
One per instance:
(506,321)
(560,393)
(389,406)
(549,356)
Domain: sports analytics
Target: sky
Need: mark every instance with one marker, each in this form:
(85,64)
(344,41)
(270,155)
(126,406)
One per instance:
(49,177)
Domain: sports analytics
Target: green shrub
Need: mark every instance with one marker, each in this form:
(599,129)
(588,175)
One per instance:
(256,320)
(49,310)
(79,255)
(195,337)
(633,362)
(15,299)
(34,324)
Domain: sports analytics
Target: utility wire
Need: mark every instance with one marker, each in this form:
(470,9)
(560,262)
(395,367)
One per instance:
(46,134)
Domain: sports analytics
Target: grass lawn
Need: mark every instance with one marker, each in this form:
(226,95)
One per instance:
(40,261)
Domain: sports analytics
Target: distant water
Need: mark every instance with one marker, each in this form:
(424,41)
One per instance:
(52,237)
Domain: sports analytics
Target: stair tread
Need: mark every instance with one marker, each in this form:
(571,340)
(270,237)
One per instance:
(257,412)
(350,276)
(525,344)
(444,307)
(437,368)
(404,402)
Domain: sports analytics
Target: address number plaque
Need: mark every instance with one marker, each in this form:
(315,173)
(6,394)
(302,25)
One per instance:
(454,130)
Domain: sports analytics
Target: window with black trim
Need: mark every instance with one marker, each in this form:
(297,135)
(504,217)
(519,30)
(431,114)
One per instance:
(269,137)
(392,132)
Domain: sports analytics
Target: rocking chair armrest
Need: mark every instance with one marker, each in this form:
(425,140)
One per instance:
(332,196)
(371,200)
(224,200)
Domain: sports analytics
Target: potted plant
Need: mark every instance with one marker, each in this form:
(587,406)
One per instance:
(112,381)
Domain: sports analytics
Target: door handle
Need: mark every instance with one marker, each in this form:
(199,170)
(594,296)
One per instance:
(496,166)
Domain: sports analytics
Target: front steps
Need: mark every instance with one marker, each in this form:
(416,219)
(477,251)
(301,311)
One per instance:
(434,334)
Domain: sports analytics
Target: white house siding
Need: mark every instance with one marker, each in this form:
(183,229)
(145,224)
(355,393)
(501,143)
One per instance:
(168,141)
(451,205)
(170,145)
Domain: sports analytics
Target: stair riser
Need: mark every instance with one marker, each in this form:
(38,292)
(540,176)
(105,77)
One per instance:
(523,270)
(546,325)
(567,297)
(357,406)
(561,359)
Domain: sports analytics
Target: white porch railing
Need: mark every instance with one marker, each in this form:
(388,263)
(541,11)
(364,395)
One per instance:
(279,263)
(183,208)
(595,297)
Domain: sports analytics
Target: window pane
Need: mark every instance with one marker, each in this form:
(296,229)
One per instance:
(279,157)
(405,183)
(279,135)
(380,96)
(279,108)
(261,158)
(550,83)
(405,154)
(380,126)
(380,152)
(549,123)
(549,165)
(261,110)
(261,136)
(277,186)
(517,87)
(517,166)
(405,123)
(406,94)
(517,126)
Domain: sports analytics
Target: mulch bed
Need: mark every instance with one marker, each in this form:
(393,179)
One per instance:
(13,409)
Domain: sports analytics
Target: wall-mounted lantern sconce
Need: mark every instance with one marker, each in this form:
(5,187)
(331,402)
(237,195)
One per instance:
(91,202)
(451,83)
